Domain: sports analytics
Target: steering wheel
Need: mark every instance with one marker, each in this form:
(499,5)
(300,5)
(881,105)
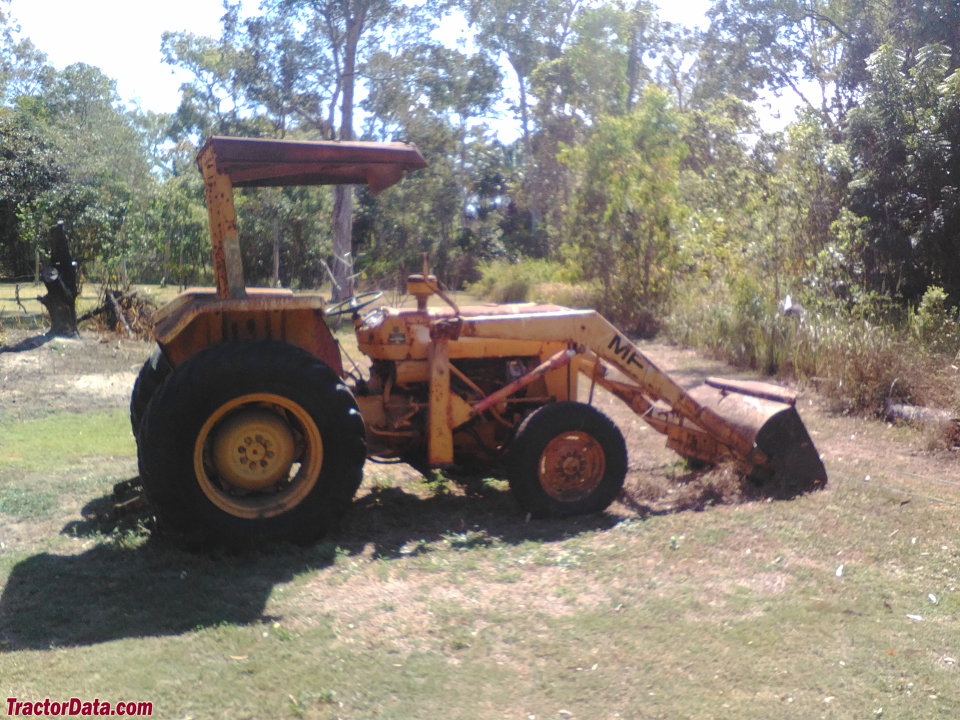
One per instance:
(353,304)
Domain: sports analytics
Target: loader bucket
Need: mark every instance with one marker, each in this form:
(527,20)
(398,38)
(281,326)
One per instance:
(766,415)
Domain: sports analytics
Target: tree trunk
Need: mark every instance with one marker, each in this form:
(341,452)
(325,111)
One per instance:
(343,283)
(343,287)
(60,279)
(275,273)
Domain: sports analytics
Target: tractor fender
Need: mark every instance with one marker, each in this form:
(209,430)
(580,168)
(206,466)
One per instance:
(198,319)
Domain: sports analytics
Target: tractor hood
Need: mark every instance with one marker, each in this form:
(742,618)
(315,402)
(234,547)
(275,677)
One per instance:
(280,163)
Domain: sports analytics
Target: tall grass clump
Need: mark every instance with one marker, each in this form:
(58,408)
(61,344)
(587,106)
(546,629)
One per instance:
(534,280)
(860,355)
(738,324)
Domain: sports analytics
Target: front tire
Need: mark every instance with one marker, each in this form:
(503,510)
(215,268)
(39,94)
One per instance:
(248,443)
(567,458)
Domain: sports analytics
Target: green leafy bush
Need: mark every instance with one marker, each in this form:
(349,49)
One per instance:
(502,281)
(934,322)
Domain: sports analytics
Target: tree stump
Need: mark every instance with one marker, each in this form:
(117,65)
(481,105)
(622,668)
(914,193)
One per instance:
(60,279)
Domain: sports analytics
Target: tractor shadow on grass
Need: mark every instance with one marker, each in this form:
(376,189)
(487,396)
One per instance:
(127,586)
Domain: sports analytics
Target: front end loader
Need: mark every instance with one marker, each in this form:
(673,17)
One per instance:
(250,429)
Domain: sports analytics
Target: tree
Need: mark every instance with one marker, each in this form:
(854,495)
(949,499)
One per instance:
(525,32)
(29,167)
(600,72)
(22,65)
(347,32)
(812,49)
(435,97)
(107,183)
(624,212)
(904,145)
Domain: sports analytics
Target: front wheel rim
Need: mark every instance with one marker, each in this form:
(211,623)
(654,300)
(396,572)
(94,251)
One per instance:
(572,466)
(287,449)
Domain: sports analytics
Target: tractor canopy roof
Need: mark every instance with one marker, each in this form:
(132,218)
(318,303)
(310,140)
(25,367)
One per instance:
(279,163)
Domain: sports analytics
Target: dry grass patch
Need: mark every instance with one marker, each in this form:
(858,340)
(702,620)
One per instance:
(438,599)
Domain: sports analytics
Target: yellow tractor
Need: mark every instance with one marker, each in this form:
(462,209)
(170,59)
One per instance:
(250,429)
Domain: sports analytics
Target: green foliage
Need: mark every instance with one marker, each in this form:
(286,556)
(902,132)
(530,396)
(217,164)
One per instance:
(860,354)
(568,294)
(502,281)
(934,322)
(903,144)
(30,170)
(626,205)
(812,49)
(858,362)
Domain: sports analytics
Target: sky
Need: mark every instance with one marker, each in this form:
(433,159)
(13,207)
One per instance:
(122,37)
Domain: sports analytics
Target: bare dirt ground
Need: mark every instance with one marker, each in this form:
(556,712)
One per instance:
(97,371)
(39,376)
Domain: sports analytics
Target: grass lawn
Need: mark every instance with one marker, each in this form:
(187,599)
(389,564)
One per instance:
(439,600)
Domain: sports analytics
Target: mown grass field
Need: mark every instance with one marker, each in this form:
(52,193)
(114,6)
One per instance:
(439,600)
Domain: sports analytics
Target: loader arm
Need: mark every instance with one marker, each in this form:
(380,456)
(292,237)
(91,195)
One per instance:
(756,423)
(590,332)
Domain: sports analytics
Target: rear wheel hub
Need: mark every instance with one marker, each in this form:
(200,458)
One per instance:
(253,449)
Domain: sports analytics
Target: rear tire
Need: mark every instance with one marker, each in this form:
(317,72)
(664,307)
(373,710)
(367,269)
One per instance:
(249,443)
(154,371)
(568,458)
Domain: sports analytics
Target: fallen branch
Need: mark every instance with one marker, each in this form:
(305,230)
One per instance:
(92,313)
(946,423)
(16,294)
(916,413)
(119,312)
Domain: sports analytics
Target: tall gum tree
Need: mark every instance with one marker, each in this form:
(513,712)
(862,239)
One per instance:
(298,68)
(525,33)
(348,32)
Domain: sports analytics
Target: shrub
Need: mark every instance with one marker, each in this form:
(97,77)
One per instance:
(502,281)
(567,294)
(934,323)
(857,361)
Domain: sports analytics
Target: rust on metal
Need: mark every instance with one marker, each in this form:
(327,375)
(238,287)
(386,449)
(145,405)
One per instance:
(445,329)
(572,466)
(555,361)
(767,391)
(224,238)
(281,163)
(439,410)
(199,318)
